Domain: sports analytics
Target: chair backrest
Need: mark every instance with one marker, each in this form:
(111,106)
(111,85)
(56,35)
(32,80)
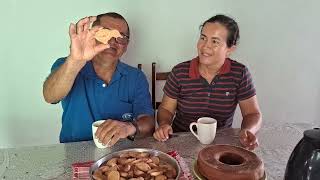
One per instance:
(140,66)
(157,76)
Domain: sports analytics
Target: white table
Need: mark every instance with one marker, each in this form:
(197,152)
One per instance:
(54,161)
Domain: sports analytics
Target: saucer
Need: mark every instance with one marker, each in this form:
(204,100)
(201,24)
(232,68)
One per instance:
(196,172)
(200,177)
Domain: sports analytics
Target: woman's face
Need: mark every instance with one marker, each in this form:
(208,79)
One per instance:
(212,44)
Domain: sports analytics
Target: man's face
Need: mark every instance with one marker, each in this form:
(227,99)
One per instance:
(212,44)
(116,49)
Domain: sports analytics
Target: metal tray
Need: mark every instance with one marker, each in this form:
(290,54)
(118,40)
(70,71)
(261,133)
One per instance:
(163,156)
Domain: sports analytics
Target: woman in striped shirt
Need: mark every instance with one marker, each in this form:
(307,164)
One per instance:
(211,85)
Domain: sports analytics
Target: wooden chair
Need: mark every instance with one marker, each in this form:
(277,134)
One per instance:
(157,76)
(140,66)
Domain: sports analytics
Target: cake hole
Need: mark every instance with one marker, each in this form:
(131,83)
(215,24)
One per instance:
(231,159)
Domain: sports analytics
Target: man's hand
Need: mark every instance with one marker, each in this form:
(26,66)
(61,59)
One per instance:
(162,133)
(83,44)
(111,131)
(248,139)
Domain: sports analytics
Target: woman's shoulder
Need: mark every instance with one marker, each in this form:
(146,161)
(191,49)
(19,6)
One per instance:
(237,65)
(184,65)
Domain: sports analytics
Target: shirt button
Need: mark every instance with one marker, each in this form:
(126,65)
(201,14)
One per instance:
(103,85)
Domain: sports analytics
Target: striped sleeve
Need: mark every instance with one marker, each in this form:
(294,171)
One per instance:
(246,88)
(172,87)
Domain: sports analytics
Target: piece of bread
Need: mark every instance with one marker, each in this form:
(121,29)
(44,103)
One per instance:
(104,35)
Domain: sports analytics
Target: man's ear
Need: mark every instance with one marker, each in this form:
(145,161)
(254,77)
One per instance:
(231,49)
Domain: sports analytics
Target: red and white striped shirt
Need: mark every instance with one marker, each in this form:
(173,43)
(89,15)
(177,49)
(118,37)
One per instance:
(197,98)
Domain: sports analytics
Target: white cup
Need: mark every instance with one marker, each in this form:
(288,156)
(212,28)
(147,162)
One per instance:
(95,126)
(206,129)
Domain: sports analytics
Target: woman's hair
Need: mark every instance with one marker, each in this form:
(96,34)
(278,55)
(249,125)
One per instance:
(230,24)
(113,15)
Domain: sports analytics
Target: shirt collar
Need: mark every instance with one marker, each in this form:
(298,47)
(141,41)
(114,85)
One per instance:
(194,68)
(121,67)
(88,70)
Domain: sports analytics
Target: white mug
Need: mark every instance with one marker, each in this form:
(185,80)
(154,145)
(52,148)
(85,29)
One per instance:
(206,129)
(95,126)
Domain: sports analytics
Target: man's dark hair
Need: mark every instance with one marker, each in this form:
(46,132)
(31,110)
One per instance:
(230,24)
(113,15)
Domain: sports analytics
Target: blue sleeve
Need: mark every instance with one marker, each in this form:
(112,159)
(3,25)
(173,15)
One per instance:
(57,64)
(142,98)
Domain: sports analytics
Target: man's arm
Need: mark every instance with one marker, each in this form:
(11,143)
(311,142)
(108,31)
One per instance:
(142,107)
(82,49)
(60,81)
(111,131)
(145,124)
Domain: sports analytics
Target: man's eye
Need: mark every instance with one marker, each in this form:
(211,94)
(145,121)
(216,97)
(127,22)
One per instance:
(202,38)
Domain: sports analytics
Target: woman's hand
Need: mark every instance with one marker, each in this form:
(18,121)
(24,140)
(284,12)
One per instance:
(162,133)
(248,139)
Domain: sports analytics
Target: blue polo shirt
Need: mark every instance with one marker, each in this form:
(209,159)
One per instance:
(90,99)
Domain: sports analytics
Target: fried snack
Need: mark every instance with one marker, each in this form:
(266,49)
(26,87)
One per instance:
(114,175)
(143,166)
(98,175)
(104,35)
(136,166)
(112,162)
(155,159)
(161,177)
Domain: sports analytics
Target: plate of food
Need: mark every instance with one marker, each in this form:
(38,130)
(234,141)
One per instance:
(223,161)
(139,163)
(201,177)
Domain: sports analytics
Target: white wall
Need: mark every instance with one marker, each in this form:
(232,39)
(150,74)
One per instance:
(279,43)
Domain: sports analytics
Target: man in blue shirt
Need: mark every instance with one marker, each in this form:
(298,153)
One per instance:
(93,84)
